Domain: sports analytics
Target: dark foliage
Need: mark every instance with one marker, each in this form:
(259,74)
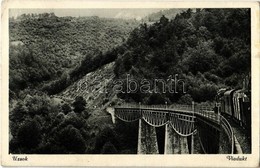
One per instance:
(66,108)
(29,134)
(79,104)
(44,47)
(108,148)
(107,137)
(88,64)
(38,125)
(71,138)
(209,48)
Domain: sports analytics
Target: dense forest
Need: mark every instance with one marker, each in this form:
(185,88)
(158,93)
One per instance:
(39,125)
(169,13)
(44,47)
(208,48)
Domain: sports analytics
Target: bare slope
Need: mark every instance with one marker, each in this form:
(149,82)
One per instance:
(92,87)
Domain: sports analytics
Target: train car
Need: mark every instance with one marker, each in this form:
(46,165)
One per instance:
(228,103)
(220,99)
(236,105)
(242,112)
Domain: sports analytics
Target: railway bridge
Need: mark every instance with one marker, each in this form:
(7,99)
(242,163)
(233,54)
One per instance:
(184,127)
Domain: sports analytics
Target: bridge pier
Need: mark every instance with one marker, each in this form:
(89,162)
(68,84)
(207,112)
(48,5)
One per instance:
(174,143)
(147,140)
(209,136)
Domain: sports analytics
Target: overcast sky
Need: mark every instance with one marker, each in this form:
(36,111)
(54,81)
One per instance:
(104,13)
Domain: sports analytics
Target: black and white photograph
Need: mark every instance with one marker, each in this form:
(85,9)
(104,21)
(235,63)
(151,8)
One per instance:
(130,81)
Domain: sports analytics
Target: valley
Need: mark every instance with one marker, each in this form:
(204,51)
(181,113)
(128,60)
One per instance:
(62,73)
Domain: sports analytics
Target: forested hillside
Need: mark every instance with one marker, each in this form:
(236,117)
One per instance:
(44,46)
(47,54)
(50,57)
(208,48)
(169,13)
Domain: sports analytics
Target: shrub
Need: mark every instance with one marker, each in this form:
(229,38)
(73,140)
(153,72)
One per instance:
(185,99)
(29,134)
(109,148)
(66,108)
(79,104)
(72,140)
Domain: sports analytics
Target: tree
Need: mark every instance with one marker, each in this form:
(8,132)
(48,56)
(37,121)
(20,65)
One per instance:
(164,20)
(79,104)
(71,138)
(106,135)
(185,99)
(29,134)
(205,92)
(109,148)
(76,120)
(156,98)
(197,58)
(19,112)
(66,108)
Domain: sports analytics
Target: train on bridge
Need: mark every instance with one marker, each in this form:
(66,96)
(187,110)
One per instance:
(236,105)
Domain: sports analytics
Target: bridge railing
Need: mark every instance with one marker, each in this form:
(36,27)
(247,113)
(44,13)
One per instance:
(229,132)
(202,110)
(199,107)
(160,106)
(210,115)
(139,106)
(181,107)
